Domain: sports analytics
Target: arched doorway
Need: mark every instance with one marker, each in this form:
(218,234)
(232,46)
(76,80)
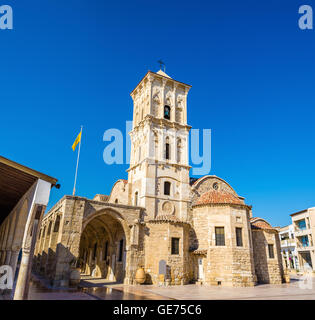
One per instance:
(103,247)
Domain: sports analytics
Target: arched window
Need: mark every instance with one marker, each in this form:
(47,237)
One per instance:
(167,112)
(167,188)
(167,149)
(49,228)
(116,200)
(57,224)
(136,198)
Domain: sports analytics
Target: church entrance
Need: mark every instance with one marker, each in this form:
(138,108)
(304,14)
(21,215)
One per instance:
(103,249)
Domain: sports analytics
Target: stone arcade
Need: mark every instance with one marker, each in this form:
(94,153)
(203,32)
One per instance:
(178,229)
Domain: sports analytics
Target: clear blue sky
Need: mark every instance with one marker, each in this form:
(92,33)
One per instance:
(251,68)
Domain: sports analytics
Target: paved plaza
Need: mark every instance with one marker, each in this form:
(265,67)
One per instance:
(98,289)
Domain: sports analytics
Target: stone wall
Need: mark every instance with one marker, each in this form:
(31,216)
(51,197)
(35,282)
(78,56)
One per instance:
(119,193)
(158,238)
(228,265)
(58,251)
(268,270)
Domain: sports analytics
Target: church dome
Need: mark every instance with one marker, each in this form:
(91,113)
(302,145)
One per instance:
(218,197)
(259,223)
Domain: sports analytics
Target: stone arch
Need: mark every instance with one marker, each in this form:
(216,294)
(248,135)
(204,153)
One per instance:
(102,229)
(208,177)
(42,239)
(21,222)
(57,223)
(114,214)
(50,224)
(11,231)
(169,99)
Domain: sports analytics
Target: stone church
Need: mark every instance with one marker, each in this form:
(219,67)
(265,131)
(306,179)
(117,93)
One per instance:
(179,230)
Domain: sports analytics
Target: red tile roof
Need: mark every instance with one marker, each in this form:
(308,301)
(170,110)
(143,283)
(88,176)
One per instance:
(218,197)
(167,218)
(259,223)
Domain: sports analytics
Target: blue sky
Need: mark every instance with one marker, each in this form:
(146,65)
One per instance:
(251,68)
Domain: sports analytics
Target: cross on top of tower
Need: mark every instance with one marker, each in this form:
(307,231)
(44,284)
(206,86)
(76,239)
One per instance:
(161,64)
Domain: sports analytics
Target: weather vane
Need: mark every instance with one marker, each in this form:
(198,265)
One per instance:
(161,64)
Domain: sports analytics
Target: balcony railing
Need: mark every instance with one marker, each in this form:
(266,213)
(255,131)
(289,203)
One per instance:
(300,232)
(304,246)
(288,243)
(299,229)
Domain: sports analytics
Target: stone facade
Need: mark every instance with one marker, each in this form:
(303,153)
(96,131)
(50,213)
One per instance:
(268,265)
(177,229)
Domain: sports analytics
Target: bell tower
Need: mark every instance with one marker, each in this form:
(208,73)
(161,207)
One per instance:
(159,170)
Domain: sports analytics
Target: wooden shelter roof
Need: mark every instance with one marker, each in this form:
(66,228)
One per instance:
(15,180)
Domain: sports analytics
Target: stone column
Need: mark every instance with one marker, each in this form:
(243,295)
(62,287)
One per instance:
(8,257)
(22,286)
(112,262)
(28,247)
(3,256)
(41,249)
(184,115)
(126,265)
(161,111)
(49,250)
(13,260)
(151,103)
(173,106)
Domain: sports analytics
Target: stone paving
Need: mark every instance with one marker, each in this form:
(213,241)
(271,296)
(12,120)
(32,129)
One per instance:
(99,289)
(292,291)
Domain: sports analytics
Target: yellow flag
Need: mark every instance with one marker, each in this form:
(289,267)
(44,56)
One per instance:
(77,140)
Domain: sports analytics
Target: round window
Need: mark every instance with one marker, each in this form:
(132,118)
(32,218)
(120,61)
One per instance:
(215,186)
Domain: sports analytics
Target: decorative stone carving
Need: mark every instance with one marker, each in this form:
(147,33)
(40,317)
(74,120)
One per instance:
(156,95)
(178,115)
(180,101)
(168,207)
(168,99)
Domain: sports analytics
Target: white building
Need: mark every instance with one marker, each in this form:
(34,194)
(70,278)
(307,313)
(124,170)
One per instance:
(304,230)
(288,247)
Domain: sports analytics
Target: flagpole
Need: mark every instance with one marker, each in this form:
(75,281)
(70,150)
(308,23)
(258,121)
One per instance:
(76,170)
